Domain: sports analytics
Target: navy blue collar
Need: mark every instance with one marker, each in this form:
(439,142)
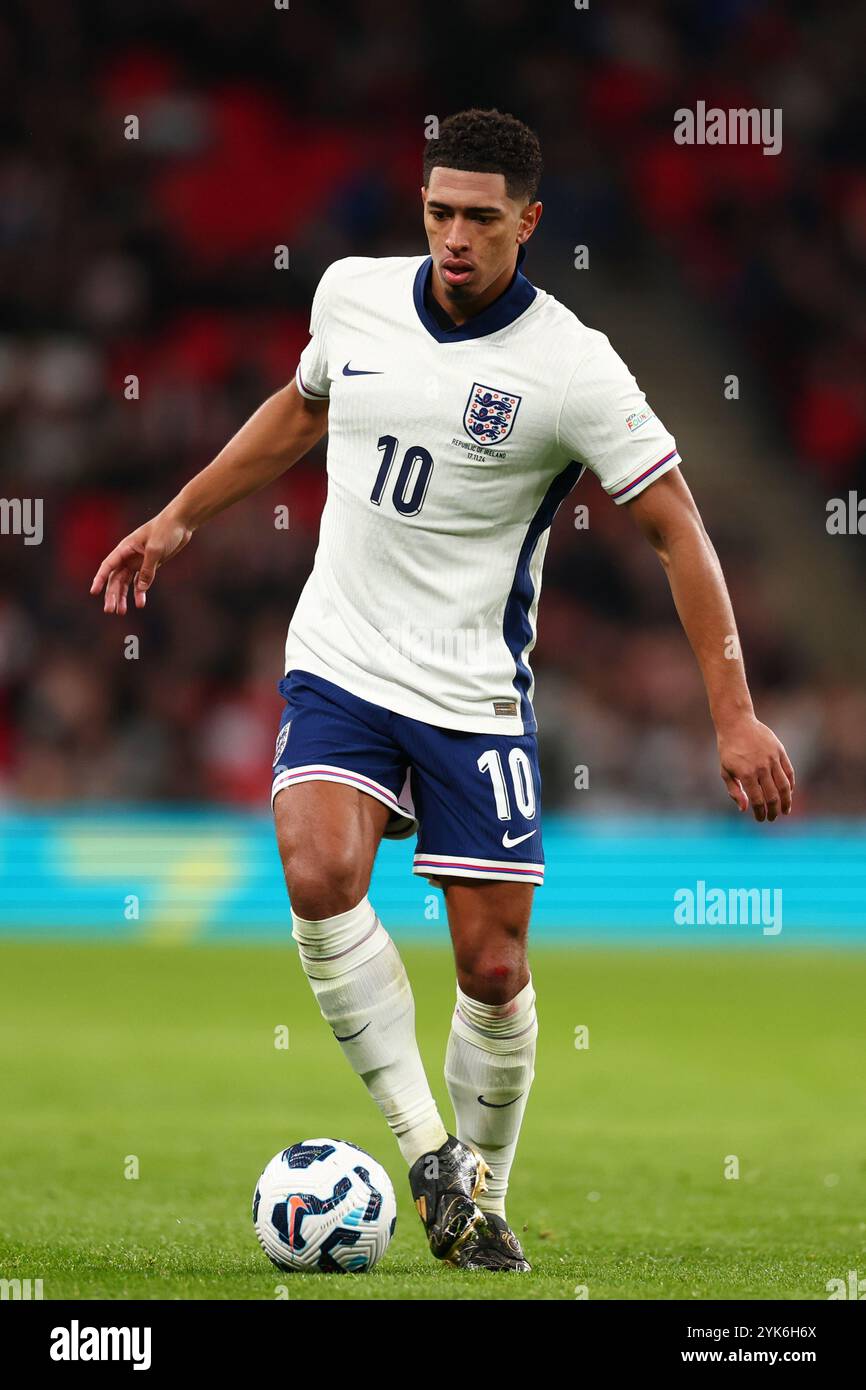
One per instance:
(507,307)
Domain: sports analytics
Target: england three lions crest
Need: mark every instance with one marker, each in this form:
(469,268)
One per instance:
(489,415)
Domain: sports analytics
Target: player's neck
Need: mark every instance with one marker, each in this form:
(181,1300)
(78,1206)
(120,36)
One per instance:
(460,311)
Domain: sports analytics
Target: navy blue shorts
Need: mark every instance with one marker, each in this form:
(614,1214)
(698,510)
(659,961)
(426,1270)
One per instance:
(474,799)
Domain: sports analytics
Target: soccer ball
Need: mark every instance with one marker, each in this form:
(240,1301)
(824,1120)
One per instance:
(324,1205)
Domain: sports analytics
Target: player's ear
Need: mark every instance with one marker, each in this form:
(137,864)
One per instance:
(530,219)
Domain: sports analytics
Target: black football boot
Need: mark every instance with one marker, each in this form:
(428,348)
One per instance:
(491,1245)
(445,1184)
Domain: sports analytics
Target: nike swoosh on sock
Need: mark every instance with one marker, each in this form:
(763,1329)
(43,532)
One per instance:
(350,1036)
(494,1105)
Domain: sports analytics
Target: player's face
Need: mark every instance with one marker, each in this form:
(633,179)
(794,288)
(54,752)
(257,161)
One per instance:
(474,230)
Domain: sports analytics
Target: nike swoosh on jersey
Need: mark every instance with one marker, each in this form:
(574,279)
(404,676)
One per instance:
(518,840)
(359,371)
(494,1105)
(350,1036)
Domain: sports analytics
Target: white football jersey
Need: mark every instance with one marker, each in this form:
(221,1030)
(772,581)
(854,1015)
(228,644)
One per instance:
(449,452)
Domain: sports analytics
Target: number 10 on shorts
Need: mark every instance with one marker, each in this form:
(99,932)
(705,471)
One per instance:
(521,780)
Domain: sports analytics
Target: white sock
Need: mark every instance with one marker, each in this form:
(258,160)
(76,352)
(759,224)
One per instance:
(363,992)
(491,1053)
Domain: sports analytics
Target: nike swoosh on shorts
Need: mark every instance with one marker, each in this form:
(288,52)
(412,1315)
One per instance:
(509,843)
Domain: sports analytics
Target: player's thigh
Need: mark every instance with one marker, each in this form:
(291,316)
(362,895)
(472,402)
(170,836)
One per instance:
(328,835)
(337,779)
(489,925)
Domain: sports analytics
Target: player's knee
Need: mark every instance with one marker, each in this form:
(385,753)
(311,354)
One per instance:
(324,883)
(316,893)
(493,982)
(496,971)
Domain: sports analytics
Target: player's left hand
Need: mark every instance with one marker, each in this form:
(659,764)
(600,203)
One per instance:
(755,768)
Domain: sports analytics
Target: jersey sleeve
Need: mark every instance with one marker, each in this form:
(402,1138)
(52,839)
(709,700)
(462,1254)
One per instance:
(312,377)
(606,424)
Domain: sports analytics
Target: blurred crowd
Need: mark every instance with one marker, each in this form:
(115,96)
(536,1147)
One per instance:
(143,319)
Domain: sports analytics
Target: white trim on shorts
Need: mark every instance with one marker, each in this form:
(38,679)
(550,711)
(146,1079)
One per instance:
(403,820)
(434,866)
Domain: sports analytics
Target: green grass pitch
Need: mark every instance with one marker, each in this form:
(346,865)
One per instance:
(167,1053)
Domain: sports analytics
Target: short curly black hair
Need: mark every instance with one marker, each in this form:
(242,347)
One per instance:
(488,142)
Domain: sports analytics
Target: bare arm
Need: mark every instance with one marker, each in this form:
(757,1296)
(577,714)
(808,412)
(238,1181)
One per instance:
(755,767)
(280,433)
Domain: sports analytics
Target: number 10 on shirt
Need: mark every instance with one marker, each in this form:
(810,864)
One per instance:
(413,478)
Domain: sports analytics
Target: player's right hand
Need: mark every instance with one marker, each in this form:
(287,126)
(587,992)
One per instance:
(136,559)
